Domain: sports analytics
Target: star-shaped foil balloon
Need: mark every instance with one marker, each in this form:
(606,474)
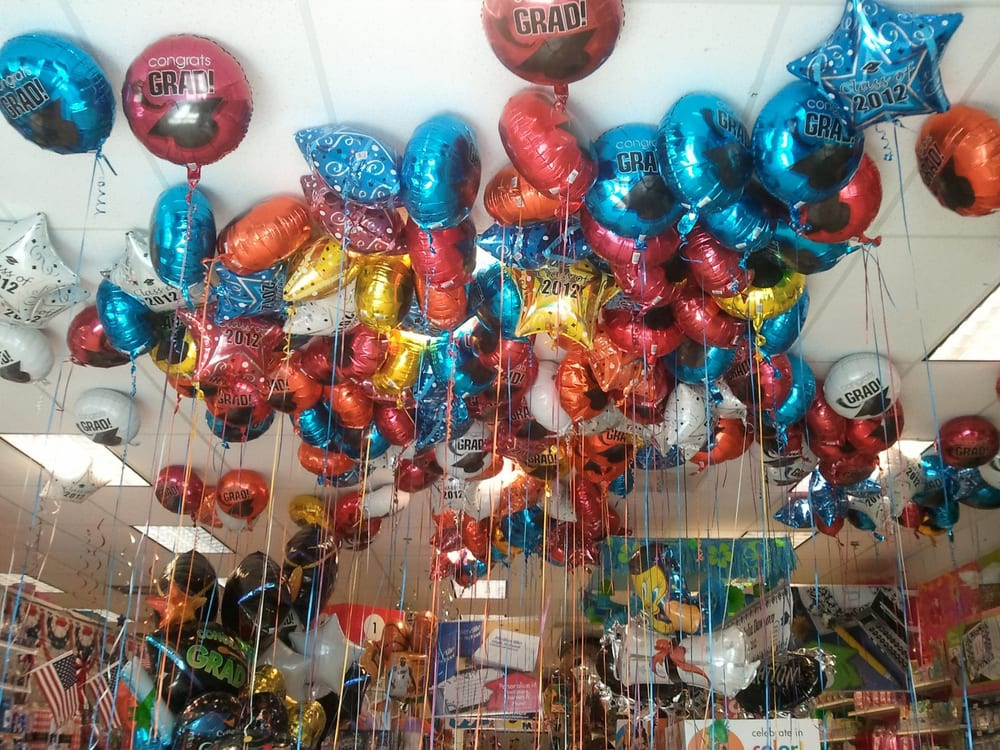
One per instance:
(134,272)
(326,316)
(331,652)
(177,607)
(75,489)
(35,284)
(247,348)
(562,300)
(880,63)
(252,293)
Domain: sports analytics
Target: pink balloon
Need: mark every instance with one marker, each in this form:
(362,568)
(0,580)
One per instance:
(187,100)
(367,229)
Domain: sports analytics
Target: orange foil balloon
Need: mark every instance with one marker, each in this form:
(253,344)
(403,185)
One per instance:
(445,308)
(731,441)
(580,395)
(242,494)
(270,231)
(322,462)
(958,153)
(289,388)
(205,513)
(510,199)
(613,367)
(601,458)
(352,404)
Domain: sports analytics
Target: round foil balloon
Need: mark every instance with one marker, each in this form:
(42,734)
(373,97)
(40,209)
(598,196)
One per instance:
(242,494)
(629,196)
(256,598)
(968,441)
(849,212)
(703,151)
(181,235)
(55,94)
(958,153)
(270,231)
(25,354)
(552,44)
(187,100)
(861,385)
(179,489)
(804,148)
(189,586)
(127,323)
(107,417)
(310,566)
(88,343)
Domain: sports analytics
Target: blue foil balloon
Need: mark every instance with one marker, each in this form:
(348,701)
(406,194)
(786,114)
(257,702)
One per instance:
(55,94)
(315,425)
(182,236)
(437,418)
(440,172)
(695,363)
(944,517)
(808,256)
(454,358)
(744,225)
(129,325)
(776,335)
(704,152)
(981,494)
(629,196)
(531,245)
(938,482)
(237,433)
(360,167)
(496,300)
(252,293)
(881,63)
(796,513)
(801,396)
(623,484)
(804,149)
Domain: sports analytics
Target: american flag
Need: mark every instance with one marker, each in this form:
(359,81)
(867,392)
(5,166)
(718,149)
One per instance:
(58,681)
(101,692)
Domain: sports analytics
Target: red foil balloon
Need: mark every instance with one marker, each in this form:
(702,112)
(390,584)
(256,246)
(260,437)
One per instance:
(713,266)
(289,388)
(650,285)
(832,529)
(651,334)
(552,44)
(616,249)
(969,441)
(848,213)
(418,473)
(579,393)
(362,352)
(699,318)
(730,441)
(445,258)
(242,494)
(760,382)
(239,404)
(187,100)
(511,199)
(367,229)
(875,434)
(445,308)
(244,348)
(270,231)
(315,359)
(179,489)
(476,536)
(394,423)
(351,404)
(850,469)
(537,135)
(88,344)
(912,516)
(324,463)
(958,153)
(500,353)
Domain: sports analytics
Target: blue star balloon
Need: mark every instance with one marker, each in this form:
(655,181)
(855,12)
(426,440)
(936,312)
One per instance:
(881,63)
(531,245)
(255,293)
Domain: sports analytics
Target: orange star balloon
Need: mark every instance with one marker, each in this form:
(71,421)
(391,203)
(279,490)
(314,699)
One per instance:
(562,300)
(177,606)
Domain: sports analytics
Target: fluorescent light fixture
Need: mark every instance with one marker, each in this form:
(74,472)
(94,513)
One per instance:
(796,537)
(179,539)
(977,338)
(101,615)
(41,587)
(484,588)
(69,456)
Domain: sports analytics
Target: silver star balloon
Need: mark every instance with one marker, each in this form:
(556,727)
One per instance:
(74,489)
(326,316)
(35,284)
(134,272)
(296,668)
(330,650)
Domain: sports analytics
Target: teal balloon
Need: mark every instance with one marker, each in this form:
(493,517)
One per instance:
(703,150)
(777,334)
(440,172)
(695,363)
(315,425)
(981,495)
(454,358)
(744,225)
(55,94)
(237,433)
(801,396)
(129,325)
(182,236)
(496,300)
(808,256)
(804,148)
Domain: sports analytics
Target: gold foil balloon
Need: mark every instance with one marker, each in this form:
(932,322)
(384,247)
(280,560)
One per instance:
(177,352)
(319,269)
(268,679)
(305,721)
(383,291)
(307,510)
(402,362)
(770,295)
(562,300)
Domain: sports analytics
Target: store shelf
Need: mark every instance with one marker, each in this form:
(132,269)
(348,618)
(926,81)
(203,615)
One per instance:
(933,687)
(839,739)
(875,712)
(929,730)
(833,705)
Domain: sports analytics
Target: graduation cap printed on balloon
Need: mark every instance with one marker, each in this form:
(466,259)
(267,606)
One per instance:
(188,590)
(310,567)
(256,600)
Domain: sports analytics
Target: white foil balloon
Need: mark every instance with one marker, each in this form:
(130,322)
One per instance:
(25,354)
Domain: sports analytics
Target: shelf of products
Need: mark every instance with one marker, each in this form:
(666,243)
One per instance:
(931,731)
(875,712)
(835,703)
(933,687)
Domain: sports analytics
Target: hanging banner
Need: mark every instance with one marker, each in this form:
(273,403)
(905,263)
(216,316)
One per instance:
(752,734)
